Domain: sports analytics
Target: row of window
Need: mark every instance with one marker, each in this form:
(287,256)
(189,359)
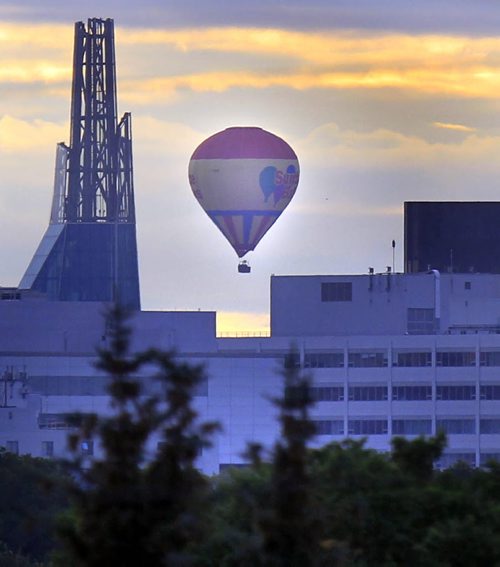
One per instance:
(355,426)
(93,385)
(336,291)
(455,358)
(379,358)
(413,426)
(413,359)
(449,459)
(420,321)
(323,360)
(327,393)
(458,392)
(412,393)
(59,420)
(367,359)
(405,393)
(336,359)
(367,393)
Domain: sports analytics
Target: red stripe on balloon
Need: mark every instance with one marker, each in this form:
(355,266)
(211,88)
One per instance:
(235,242)
(261,230)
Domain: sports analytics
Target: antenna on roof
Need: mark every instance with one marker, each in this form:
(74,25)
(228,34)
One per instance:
(393,255)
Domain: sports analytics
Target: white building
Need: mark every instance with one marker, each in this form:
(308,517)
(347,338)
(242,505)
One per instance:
(390,354)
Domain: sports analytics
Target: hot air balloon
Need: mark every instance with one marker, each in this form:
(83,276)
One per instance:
(244,178)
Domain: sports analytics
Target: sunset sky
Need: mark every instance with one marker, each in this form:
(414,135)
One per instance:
(382,101)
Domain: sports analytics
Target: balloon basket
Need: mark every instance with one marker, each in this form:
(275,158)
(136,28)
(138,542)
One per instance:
(243,267)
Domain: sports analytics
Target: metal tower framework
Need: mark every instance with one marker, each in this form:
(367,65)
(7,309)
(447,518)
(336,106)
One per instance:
(100,186)
(89,252)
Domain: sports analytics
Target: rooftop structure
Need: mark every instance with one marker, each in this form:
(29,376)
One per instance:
(427,303)
(452,236)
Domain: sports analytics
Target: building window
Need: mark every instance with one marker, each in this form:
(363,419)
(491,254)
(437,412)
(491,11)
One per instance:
(449,459)
(409,359)
(223,467)
(87,448)
(327,393)
(489,358)
(486,458)
(456,426)
(368,359)
(9,295)
(490,392)
(489,426)
(367,393)
(12,447)
(292,360)
(47,448)
(412,393)
(329,426)
(420,321)
(411,426)
(59,420)
(324,360)
(458,358)
(367,427)
(336,291)
(456,392)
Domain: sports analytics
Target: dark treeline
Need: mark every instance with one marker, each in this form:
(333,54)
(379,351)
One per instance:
(340,505)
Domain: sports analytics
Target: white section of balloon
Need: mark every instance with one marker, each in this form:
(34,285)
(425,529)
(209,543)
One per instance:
(244,178)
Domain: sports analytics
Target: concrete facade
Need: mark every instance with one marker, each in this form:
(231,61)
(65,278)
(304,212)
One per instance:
(378,368)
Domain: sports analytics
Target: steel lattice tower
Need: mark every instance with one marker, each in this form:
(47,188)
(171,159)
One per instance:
(89,251)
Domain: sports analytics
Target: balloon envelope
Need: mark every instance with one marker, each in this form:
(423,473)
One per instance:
(244,178)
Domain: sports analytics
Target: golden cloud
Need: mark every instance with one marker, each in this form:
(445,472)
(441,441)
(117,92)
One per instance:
(21,135)
(456,127)
(264,58)
(460,66)
(329,146)
(57,37)
(33,71)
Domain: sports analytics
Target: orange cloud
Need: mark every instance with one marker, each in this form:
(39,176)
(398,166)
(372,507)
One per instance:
(457,127)
(264,58)
(433,65)
(54,36)
(21,135)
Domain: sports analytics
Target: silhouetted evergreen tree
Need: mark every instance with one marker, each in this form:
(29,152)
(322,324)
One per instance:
(264,515)
(342,505)
(31,497)
(417,457)
(132,508)
(289,526)
(10,559)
